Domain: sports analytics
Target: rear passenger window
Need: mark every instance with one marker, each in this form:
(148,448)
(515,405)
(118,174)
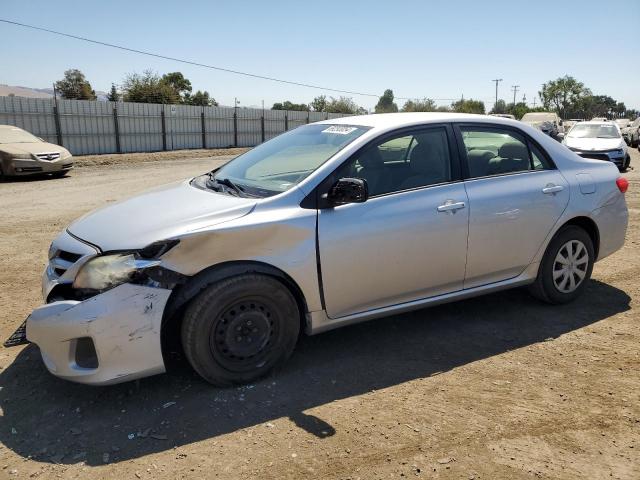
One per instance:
(493,151)
(538,160)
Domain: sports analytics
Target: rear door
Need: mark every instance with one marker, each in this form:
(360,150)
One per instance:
(516,196)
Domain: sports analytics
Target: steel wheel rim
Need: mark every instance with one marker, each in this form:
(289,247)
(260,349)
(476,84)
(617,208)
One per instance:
(570,266)
(243,334)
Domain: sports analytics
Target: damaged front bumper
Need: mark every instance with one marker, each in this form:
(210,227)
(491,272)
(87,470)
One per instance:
(110,338)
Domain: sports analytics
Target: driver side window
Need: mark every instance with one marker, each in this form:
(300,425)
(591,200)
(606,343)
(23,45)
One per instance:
(402,162)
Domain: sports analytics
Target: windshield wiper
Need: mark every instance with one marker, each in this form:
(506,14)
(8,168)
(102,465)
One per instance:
(239,191)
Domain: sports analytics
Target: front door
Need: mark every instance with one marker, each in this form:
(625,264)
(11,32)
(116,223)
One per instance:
(408,241)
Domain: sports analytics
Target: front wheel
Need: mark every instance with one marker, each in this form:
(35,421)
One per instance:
(239,329)
(566,266)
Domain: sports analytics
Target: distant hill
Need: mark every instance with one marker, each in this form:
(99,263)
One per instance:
(18,91)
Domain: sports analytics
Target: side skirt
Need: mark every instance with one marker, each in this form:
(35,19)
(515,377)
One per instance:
(320,321)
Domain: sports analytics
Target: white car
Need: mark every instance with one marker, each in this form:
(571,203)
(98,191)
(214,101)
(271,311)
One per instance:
(324,226)
(600,141)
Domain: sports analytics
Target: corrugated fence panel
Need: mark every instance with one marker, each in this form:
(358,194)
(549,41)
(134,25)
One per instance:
(219,127)
(87,127)
(140,127)
(273,123)
(295,119)
(184,126)
(32,114)
(96,127)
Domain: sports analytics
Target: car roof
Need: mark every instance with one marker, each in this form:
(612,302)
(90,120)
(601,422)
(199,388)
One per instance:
(9,127)
(395,120)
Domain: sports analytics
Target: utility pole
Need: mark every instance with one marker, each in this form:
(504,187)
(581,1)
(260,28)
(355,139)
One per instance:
(534,102)
(496,80)
(515,90)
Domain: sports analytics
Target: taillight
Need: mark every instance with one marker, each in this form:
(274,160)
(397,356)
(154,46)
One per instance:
(623,184)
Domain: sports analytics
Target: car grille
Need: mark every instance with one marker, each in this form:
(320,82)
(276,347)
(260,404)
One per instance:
(49,157)
(62,261)
(595,156)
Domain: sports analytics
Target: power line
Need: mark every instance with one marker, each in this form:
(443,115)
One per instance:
(189,62)
(204,65)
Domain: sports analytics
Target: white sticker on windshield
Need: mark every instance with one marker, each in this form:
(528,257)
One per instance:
(339,130)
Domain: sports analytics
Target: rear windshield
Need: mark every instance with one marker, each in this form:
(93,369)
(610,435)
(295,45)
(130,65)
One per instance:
(16,135)
(594,131)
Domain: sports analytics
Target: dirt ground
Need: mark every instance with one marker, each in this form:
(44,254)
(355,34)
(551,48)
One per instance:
(489,388)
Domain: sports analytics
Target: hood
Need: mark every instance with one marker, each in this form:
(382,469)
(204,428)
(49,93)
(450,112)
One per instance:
(589,144)
(31,148)
(158,214)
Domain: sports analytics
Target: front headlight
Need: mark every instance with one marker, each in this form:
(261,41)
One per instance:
(21,156)
(109,271)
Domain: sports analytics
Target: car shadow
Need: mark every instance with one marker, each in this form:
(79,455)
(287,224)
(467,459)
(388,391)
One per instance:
(51,420)
(35,177)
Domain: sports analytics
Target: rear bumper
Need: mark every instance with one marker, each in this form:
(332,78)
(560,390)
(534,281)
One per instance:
(110,338)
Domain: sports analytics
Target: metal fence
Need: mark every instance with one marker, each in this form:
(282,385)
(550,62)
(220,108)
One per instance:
(95,127)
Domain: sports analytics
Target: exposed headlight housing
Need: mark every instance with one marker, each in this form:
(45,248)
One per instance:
(109,271)
(21,156)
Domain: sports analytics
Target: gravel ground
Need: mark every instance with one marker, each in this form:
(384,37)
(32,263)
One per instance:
(494,387)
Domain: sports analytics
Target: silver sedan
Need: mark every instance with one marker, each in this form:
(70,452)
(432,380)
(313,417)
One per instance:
(327,225)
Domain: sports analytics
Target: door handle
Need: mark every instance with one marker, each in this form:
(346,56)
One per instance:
(451,206)
(552,189)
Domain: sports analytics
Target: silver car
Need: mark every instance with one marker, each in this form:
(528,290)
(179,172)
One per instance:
(327,225)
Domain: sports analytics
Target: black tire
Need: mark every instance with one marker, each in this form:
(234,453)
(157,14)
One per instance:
(239,329)
(545,288)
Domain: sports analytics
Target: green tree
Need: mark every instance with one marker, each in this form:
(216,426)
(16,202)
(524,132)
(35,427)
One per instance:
(75,86)
(386,104)
(499,107)
(199,98)
(113,95)
(562,94)
(148,87)
(287,105)
(517,110)
(319,104)
(468,106)
(176,80)
(424,105)
(344,105)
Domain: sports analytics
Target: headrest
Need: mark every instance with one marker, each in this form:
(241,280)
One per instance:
(371,158)
(513,150)
(425,159)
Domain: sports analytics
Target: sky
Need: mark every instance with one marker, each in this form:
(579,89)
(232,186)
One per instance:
(436,49)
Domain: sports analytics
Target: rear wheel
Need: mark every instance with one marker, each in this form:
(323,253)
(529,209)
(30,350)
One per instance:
(566,266)
(239,329)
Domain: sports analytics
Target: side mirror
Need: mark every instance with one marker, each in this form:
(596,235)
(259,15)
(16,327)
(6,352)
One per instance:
(348,190)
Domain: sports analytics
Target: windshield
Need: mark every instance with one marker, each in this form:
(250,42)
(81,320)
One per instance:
(594,131)
(539,117)
(279,164)
(16,135)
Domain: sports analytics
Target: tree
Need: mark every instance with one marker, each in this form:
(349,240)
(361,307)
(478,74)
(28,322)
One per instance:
(424,105)
(287,105)
(385,104)
(201,99)
(113,95)
(75,86)
(562,94)
(176,80)
(344,105)
(148,87)
(499,107)
(319,104)
(518,110)
(468,106)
